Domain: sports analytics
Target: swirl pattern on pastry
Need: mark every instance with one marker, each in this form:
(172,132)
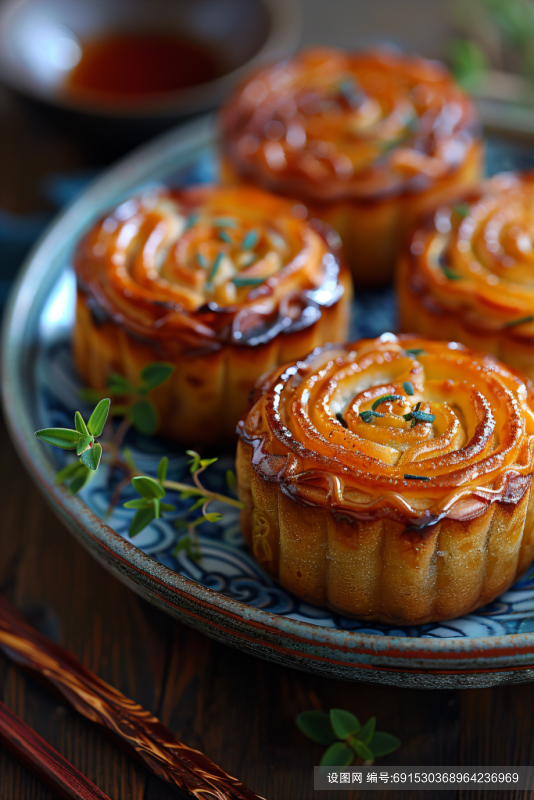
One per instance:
(394,475)
(182,275)
(469,268)
(336,124)
(341,430)
(328,126)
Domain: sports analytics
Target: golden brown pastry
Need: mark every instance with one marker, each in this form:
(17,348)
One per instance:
(365,141)
(390,479)
(467,273)
(222,283)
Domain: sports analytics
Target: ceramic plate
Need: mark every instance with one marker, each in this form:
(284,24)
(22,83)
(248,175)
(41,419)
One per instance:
(226,595)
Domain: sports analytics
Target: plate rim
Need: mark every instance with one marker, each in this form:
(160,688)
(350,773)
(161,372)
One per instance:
(30,291)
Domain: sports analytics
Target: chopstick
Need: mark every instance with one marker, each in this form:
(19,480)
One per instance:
(140,733)
(44,761)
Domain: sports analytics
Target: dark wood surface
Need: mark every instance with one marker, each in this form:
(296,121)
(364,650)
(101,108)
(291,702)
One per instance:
(238,710)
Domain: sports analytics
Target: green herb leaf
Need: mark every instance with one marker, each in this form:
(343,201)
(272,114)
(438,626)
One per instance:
(148,487)
(140,502)
(194,461)
(91,457)
(450,274)
(316,726)
(520,321)
(65,438)
(213,516)
(144,417)
(250,240)
(420,416)
(362,750)
(117,385)
(223,236)
(98,418)
(205,462)
(79,424)
(416,478)
(142,518)
(231,479)
(408,388)
(156,374)
(202,261)
(69,471)
(462,210)
(167,507)
(415,352)
(337,755)
(216,264)
(225,222)
(82,477)
(240,282)
(383,743)
(162,469)
(367,416)
(385,399)
(367,731)
(83,444)
(344,723)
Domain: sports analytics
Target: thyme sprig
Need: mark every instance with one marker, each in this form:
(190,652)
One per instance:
(151,503)
(345,737)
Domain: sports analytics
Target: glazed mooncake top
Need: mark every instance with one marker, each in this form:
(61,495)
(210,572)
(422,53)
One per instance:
(206,265)
(401,427)
(332,124)
(476,256)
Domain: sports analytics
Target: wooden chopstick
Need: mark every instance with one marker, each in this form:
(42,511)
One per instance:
(44,761)
(139,732)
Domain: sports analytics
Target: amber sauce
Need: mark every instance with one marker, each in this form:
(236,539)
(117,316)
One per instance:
(132,65)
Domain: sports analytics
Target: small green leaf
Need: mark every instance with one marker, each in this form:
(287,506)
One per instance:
(199,503)
(83,444)
(316,726)
(337,755)
(89,395)
(128,457)
(145,417)
(83,476)
(156,374)
(408,388)
(205,462)
(167,507)
(251,240)
(231,479)
(65,438)
(194,461)
(383,743)
(386,398)
(140,502)
(69,472)
(414,352)
(148,487)
(79,424)
(240,282)
(142,518)
(213,516)
(362,750)
(162,469)
(217,263)
(344,723)
(157,507)
(91,457)
(367,731)
(98,418)
(225,222)
(119,385)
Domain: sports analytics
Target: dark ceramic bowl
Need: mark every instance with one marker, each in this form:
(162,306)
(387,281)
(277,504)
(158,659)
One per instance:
(40,43)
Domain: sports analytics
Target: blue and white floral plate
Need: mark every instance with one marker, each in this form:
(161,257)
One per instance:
(227,595)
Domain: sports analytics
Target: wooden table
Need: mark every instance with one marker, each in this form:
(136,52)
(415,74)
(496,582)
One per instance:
(238,710)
